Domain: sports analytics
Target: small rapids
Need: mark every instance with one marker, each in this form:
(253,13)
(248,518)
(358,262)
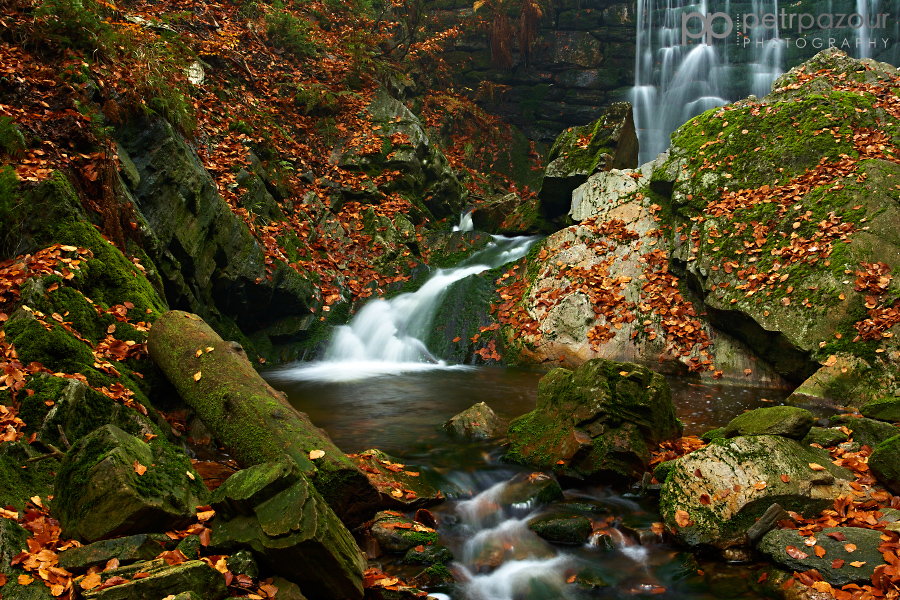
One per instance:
(385,337)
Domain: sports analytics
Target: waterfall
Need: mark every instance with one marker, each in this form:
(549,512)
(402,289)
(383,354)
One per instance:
(385,337)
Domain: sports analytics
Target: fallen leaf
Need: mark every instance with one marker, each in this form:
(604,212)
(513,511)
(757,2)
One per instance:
(795,552)
(785,478)
(759,485)
(90,581)
(837,563)
(837,535)
(820,551)
(25,579)
(314,454)
(682,518)
(456,339)
(857,563)
(623,373)
(197,376)
(850,547)
(816,467)
(810,541)
(139,468)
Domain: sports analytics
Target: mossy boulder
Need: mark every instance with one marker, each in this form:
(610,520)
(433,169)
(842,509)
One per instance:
(610,142)
(866,432)
(528,490)
(562,529)
(428,555)
(595,423)
(787,421)
(273,511)
(713,495)
(884,463)
(13,541)
(396,533)
(773,546)
(477,421)
(21,481)
(400,486)
(434,576)
(100,494)
(825,437)
(882,409)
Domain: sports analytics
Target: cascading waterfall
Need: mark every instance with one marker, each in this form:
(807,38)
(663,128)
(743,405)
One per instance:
(385,337)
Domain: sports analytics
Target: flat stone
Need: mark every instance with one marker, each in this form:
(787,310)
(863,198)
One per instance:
(396,533)
(126,550)
(825,437)
(882,409)
(193,576)
(562,529)
(774,545)
(400,486)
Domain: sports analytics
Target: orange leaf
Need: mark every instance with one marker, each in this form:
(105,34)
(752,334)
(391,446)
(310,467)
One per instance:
(837,563)
(816,467)
(139,468)
(850,547)
(682,518)
(785,478)
(820,551)
(795,552)
(857,563)
(314,454)
(90,582)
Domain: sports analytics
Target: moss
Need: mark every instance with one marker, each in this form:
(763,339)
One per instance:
(20,481)
(56,349)
(92,450)
(34,408)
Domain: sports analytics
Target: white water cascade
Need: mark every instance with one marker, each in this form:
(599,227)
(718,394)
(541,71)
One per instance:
(386,336)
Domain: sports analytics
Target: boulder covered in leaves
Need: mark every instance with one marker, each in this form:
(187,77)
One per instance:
(112,483)
(712,496)
(841,555)
(610,142)
(194,578)
(400,486)
(595,423)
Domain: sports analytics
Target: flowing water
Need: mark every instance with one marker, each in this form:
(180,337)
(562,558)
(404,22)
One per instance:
(380,387)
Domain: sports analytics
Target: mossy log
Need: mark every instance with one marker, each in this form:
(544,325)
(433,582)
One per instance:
(253,421)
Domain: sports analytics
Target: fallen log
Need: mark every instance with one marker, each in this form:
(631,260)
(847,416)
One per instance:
(253,421)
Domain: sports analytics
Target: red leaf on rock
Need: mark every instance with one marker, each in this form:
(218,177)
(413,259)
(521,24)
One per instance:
(795,552)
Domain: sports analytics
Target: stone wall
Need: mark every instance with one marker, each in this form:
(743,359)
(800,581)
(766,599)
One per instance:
(582,61)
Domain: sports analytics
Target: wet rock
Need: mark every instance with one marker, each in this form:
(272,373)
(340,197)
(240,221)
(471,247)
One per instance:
(126,550)
(590,578)
(882,409)
(832,384)
(825,437)
(610,142)
(190,546)
(786,421)
(399,486)
(562,529)
(866,432)
(13,540)
(530,489)
(713,495)
(433,576)
(287,590)
(393,593)
(243,563)
(396,533)
(100,494)
(162,580)
(775,543)
(508,215)
(713,434)
(884,463)
(477,421)
(595,423)
(428,555)
(273,511)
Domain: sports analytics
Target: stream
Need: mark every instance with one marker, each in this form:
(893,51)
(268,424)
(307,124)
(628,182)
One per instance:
(380,387)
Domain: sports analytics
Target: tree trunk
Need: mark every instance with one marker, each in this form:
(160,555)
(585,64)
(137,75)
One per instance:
(253,421)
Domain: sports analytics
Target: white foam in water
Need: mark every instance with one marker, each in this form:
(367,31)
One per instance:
(385,337)
(521,579)
(465,222)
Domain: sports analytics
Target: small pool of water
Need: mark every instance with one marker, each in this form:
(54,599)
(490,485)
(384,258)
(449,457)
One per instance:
(497,556)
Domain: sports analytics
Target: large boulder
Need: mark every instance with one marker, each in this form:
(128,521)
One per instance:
(126,550)
(864,543)
(866,432)
(595,423)
(396,533)
(787,421)
(272,510)
(400,486)
(712,496)
(610,142)
(882,409)
(112,483)
(884,462)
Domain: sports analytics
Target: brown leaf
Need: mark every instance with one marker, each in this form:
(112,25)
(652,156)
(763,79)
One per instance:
(837,535)
(785,478)
(139,468)
(90,581)
(850,547)
(759,485)
(314,454)
(795,552)
(111,564)
(682,518)
(820,551)
(704,499)
(816,467)
(837,563)
(197,376)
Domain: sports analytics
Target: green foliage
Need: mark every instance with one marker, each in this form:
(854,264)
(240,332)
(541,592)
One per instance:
(12,142)
(289,32)
(74,24)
